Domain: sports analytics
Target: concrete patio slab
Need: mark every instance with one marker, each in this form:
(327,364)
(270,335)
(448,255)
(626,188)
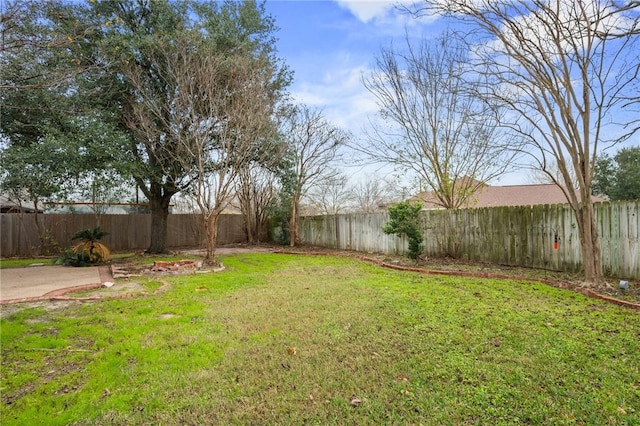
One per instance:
(38,281)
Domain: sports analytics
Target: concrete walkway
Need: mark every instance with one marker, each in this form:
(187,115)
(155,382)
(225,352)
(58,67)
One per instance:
(36,282)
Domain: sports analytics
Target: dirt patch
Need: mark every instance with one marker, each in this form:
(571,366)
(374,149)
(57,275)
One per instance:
(10,309)
(161,268)
(124,269)
(116,290)
(234,249)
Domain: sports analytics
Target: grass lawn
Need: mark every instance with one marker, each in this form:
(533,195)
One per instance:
(285,339)
(21,263)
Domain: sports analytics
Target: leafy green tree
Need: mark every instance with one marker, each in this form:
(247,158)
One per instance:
(603,176)
(53,137)
(37,71)
(279,210)
(67,68)
(132,42)
(618,177)
(405,221)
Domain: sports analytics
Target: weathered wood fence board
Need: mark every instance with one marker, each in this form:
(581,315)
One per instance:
(516,236)
(19,233)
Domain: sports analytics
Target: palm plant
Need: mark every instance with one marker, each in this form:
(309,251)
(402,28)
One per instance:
(90,246)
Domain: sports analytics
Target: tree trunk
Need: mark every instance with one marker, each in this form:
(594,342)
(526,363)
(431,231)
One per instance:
(41,237)
(293,223)
(590,244)
(262,226)
(211,227)
(249,224)
(159,202)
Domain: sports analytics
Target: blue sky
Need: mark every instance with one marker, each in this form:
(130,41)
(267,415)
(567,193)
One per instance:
(330,45)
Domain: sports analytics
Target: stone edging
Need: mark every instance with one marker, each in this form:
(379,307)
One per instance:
(557,284)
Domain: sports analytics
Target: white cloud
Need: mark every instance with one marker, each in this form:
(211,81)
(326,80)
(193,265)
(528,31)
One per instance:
(365,11)
(342,96)
(382,12)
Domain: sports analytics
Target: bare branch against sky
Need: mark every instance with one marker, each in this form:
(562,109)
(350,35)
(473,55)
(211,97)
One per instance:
(568,72)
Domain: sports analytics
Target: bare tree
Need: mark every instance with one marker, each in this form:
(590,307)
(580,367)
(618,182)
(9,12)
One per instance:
(329,197)
(569,71)
(257,191)
(538,175)
(371,195)
(440,129)
(220,119)
(313,144)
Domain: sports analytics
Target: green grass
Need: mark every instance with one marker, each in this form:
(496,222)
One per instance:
(279,339)
(21,263)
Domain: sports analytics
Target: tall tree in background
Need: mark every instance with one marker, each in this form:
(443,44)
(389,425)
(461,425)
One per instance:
(568,72)
(618,177)
(259,188)
(372,195)
(256,192)
(439,128)
(131,43)
(219,118)
(41,121)
(313,143)
(54,141)
(329,197)
(68,67)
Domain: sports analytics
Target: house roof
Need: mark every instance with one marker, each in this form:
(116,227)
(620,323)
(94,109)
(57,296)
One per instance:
(10,206)
(514,195)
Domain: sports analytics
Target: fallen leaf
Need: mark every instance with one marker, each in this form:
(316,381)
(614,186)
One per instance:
(622,410)
(292,350)
(355,401)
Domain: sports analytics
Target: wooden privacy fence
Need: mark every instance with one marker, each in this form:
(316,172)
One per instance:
(544,236)
(19,233)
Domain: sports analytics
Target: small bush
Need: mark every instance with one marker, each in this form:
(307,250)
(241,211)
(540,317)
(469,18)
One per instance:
(90,245)
(405,220)
(69,257)
(88,251)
